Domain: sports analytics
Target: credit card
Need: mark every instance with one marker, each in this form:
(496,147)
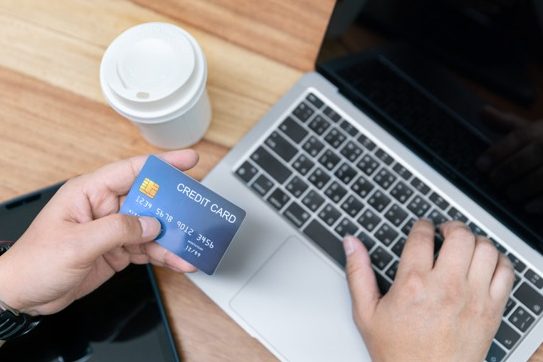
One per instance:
(197,223)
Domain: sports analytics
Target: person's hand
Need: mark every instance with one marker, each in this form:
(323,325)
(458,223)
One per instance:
(78,241)
(515,163)
(444,311)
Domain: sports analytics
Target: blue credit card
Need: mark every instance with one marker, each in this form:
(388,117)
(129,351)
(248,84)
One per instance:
(197,224)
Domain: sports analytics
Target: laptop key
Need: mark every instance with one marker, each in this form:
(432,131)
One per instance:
(378,200)
(313,146)
(391,271)
(366,240)
(499,246)
(402,171)
(386,234)
(517,280)
(262,185)
(319,125)
(406,228)
(352,205)
(418,206)
(369,220)
(495,353)
(327,241)
(335,138)
(281,146)
(362,187)
(345,173)
(319,178)
(510,304)
(346,227)
(271,165)
(456,215)
(296,214)
(278,198)
(401,192)
(517,264)
(351,151)
(380,258)
(331,114)
(335,191)
(367,164)
(384,178)
(383,156)
(293,130)
(530,298)
(329,159)
(303,112)
(383,284)
(366,142)
(398,246)
(437,217)
(296,186)
(507,336)
(313,200)
(534,278)
(476,229)
(302,164)
(314,100)
(329,214)
(396,215)
(439,201)
(521,319)
(246,171)
(349,128)
(420,186)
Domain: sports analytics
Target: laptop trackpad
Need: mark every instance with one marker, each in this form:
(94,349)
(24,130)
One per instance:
(300,306)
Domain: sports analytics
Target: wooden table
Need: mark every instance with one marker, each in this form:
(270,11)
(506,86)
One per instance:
(55,124)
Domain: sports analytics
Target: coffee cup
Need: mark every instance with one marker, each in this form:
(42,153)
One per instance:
(155,75)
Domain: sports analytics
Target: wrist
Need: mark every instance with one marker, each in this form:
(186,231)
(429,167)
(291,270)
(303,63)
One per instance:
(8,288)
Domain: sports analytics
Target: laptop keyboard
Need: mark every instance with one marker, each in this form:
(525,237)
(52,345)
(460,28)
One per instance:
(329,179)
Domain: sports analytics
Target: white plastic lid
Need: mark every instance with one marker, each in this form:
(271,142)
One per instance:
(153,71)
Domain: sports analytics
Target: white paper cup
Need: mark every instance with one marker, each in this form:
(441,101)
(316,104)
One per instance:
(155,75)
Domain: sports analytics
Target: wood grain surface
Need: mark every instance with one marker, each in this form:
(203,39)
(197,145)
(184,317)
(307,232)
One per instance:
(55,124)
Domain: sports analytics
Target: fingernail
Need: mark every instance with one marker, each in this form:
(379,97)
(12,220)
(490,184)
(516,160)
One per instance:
(150,227)
(484,163)
(349,244)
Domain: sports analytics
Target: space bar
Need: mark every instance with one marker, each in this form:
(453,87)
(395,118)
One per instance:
(326,240)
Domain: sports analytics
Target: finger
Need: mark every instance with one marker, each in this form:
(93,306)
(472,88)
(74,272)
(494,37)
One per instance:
(163,257)
(517,165)
(118,177)
(527,188)
(114,231)
(503,279)
(418,252)
(502,121)
(457,250)
(483,264)
(362,282)
(499,151)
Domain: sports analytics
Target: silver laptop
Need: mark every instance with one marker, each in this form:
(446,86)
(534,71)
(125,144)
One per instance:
(373,140)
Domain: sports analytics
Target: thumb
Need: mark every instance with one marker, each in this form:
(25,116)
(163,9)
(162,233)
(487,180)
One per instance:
(362,283)
(116,230)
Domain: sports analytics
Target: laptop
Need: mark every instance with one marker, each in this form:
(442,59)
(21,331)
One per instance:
(386,130)
(123,320)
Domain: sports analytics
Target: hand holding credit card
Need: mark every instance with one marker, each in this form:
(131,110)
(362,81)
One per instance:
(197,224)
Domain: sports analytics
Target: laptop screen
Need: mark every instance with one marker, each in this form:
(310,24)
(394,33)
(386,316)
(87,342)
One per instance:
(455,81)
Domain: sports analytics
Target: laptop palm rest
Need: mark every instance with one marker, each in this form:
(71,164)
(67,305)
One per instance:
(299,305)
